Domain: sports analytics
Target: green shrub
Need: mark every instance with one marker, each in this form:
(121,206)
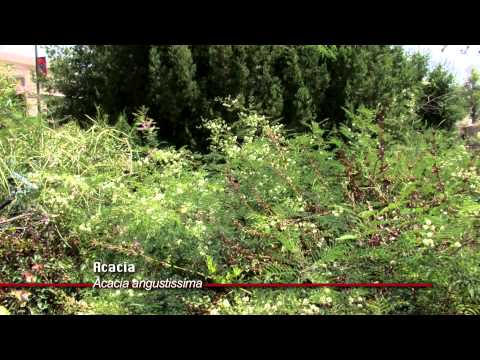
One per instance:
(7,91)
(364,205)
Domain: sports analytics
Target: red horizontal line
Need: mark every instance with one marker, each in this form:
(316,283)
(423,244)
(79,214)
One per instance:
(62,285)
(238,285)
(280,285)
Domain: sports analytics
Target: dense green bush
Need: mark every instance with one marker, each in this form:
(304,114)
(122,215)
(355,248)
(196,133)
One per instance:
(365,205)
(472,94)
(442,102)
(8,95)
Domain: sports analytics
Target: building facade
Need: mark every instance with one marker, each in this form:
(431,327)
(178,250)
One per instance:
(23,69)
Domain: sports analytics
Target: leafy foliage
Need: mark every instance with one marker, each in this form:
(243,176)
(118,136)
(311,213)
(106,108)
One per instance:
(180,84)
(302,164)
(472,92)
(363,205)
(8,95)
(441,103)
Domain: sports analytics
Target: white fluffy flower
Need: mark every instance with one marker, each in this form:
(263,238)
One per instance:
(428,242)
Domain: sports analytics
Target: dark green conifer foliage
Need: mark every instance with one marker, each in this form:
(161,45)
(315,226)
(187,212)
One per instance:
(441,102)
(297,84)
(173,91)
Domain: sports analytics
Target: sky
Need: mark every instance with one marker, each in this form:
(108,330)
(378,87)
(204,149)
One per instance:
(26,50)
(452,57)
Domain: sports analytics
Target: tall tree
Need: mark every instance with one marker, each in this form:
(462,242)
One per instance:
(372,76)
(173,91)
(180,83)
(472,94)
(441,103)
